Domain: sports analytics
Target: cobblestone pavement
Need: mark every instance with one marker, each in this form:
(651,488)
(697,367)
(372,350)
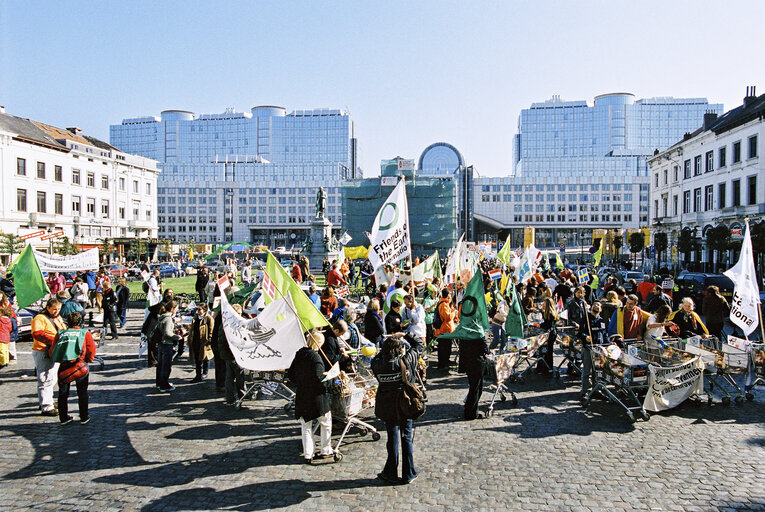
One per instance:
(188,451)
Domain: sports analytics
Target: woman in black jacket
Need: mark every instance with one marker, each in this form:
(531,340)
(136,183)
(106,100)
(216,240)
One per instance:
(373,325)
(123,297)
(387,368)
(311,397)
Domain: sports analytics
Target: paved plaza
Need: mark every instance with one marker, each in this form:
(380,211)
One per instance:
(188,451)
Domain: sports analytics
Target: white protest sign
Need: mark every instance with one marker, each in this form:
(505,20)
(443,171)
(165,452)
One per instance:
(87,260)
(669,387)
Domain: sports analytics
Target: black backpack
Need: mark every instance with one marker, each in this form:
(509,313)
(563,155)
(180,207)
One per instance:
(437,321)
(145,287)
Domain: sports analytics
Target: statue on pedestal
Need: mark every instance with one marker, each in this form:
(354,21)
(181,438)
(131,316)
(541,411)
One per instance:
(321,203)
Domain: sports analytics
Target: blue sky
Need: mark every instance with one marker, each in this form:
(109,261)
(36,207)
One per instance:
(410,73)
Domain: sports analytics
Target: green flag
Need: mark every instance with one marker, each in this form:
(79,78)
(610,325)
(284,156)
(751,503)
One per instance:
(559,261)
(504,254)
(516,318)
(598,254)
(28,280)
(306,310)
(396,293)
(474,320)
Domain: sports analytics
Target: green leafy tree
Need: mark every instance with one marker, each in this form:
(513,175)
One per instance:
(660,244)
(106,249)
(718,239)
(11,244)
(64,247)
(165,245)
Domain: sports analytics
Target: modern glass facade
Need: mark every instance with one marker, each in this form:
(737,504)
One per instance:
(244,176)
(578,167)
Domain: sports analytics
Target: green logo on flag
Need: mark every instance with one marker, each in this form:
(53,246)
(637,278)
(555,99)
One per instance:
(395,216)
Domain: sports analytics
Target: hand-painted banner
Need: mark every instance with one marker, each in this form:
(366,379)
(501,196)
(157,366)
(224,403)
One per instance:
(87,260)
(268,342)
(669,387)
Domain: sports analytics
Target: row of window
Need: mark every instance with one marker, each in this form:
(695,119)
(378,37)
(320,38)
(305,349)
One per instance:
(58,175)
(692,200)
(243,191)
(573,218)
(539,198)
(705,163)
(58,205)
(582,187)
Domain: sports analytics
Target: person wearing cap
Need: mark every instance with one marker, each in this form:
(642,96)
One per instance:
(44,328)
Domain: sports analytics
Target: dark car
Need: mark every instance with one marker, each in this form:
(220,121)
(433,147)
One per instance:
(166,270)
(695,284)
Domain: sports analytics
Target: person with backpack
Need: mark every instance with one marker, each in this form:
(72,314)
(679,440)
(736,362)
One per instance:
(73,348)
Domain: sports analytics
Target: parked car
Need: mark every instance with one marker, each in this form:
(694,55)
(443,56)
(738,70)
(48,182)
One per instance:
(166,270)
(626,275)
(695,284)
(24,317)
(119,270)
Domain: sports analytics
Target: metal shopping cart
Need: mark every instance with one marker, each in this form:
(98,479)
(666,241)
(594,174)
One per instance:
(721,362)
(350,395)
(620,377)
(504,366)
(571,348)
(757,357)
(272,383)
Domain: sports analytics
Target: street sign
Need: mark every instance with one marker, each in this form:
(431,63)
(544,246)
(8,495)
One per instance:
(32,235)
(53,235)
(652,251)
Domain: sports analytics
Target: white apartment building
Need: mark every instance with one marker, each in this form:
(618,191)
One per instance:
(714,176)
(59,180)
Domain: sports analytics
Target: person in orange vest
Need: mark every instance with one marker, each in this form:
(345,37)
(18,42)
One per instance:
(447,316)
(44,328)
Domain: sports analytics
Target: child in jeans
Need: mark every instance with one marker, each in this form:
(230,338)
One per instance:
(6,327)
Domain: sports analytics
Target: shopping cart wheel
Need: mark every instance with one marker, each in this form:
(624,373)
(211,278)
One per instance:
(709,400)
(514,401)
(631,417)
(644,415)
(375,436)
(739,400)
(238,405)
(363,432)
(489,413)
(749,396)
(556,375)
(726,401)
(338,456)
(502,398)
(288,406)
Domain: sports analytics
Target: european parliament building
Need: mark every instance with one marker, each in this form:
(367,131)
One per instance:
(244,176)
(579,167)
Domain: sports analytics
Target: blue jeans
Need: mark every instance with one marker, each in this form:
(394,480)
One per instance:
(123,317)
(405,431)
(164,364)
(498,337)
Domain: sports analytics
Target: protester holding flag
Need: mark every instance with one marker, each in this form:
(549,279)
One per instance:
(389,366)
(73,349)
(715,309)
(44,328)
(312,398)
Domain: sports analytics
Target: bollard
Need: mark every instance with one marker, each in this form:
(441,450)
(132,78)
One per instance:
(90,319)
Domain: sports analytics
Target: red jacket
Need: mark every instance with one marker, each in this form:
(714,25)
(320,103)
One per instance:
(6,326)
(297,275)
(335,277)
(70,371)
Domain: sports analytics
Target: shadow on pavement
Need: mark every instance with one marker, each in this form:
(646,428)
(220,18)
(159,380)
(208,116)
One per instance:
(261,496)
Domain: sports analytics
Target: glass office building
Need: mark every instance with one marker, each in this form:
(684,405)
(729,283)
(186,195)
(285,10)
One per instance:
(579,167)
(244,176)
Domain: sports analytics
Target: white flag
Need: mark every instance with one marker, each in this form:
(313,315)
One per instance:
(332,373)
(390,241)
(345,239)
(268,342)
(746,294)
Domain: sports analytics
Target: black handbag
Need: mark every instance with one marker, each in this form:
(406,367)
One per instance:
(410,401)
